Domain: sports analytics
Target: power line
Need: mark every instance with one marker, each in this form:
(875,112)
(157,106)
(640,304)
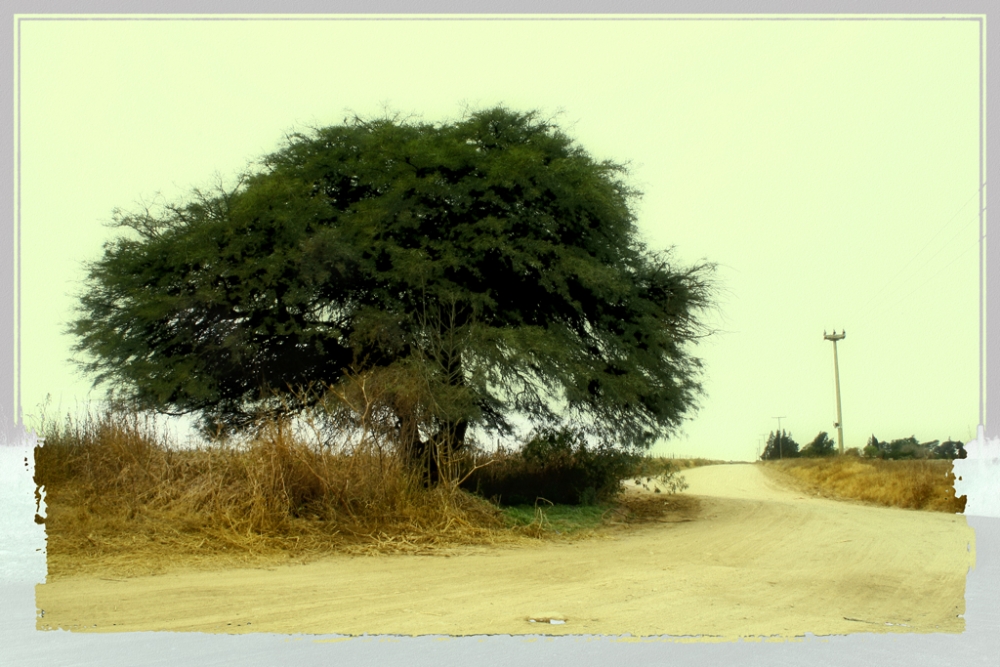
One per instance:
(932,276)
(864,309)
(942,247)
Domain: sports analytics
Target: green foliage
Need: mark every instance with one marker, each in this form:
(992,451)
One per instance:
(780,446)
(557,466)
(490,265)
(949,449)
(821,446)
(903,448)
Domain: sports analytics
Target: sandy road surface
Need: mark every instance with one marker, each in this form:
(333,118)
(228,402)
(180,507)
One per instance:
(758,561)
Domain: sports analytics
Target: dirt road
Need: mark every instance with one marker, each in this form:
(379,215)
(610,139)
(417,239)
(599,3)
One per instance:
(758,561)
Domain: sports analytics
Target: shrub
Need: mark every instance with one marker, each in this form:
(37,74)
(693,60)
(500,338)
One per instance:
(554,465)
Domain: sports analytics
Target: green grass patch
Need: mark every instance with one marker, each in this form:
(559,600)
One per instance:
(557,518)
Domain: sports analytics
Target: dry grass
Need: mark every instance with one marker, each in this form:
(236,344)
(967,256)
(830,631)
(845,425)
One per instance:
(122,500)
(913,484)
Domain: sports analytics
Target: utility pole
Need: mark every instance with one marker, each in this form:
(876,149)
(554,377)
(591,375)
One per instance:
(780,454)
(836,377)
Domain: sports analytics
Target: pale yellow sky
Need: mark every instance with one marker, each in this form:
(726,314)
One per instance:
(830,167)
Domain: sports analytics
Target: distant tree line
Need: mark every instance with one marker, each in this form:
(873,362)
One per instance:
(911,448)
(780,445)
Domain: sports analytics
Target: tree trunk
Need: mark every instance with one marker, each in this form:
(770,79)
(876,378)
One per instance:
(434,456)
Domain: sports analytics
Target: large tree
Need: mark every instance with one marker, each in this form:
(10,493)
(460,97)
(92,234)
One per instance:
(489,264)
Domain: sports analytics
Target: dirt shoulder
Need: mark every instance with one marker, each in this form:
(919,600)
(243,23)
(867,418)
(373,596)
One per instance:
(757,560)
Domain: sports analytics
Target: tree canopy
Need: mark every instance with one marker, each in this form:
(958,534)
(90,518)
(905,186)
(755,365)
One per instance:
(821,446)
(490,264)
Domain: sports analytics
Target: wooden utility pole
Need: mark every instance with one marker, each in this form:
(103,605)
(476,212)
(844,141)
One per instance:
(836,377)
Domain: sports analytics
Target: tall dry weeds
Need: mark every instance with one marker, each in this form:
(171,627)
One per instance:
(118,492)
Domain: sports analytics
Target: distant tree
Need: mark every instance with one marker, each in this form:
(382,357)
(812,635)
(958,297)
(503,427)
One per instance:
(903,448)
(780,446)
(926,449)
(911,448)
(821,446)
(949,449)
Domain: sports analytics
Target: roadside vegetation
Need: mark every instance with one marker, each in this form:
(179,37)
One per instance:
(911,484)
(346,318)
(122,498)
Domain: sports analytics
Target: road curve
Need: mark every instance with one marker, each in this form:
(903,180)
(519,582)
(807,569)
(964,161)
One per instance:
(759,560)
